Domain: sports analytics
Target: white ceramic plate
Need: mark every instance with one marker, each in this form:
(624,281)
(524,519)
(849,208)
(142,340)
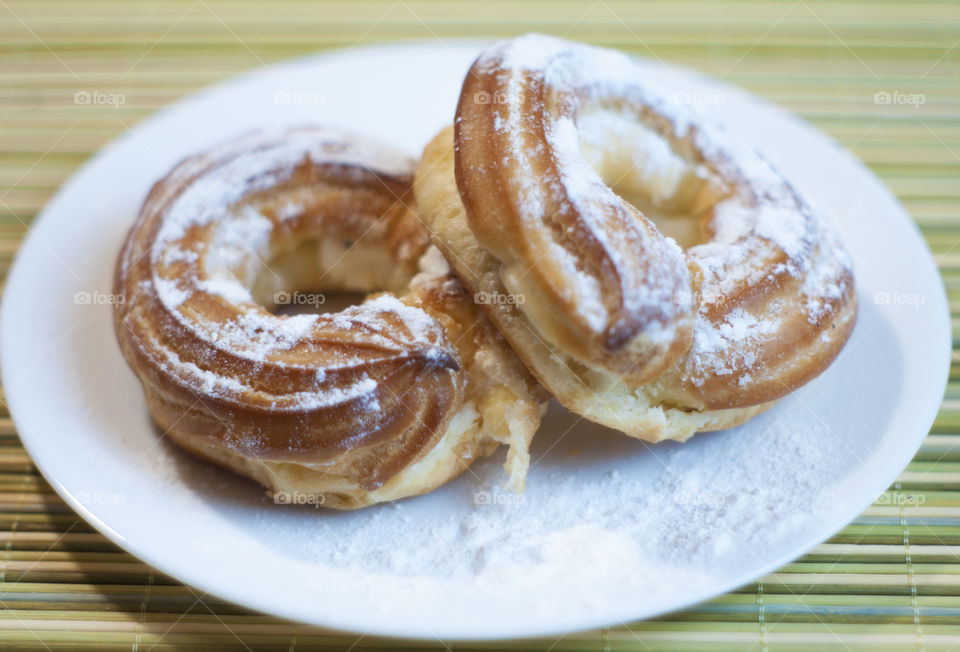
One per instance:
(609,530)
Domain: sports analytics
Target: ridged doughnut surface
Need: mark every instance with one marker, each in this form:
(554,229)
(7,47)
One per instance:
(561,179)
(378,401)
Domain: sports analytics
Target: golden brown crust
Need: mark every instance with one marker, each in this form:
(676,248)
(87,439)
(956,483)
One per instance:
(673,406)
(337,404)
(521,208)
(550,140)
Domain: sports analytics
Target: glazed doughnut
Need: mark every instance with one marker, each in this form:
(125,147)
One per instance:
(559,184)
(386,399)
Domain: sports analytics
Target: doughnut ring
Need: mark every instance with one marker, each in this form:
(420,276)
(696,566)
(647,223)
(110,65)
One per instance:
(559,184)
(386,399)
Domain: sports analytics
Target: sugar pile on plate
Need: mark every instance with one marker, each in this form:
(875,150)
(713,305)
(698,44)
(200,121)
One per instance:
(583,509)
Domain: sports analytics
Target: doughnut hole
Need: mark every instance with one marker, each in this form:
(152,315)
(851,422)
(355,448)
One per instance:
(643,167)
(294,260)
(324,274)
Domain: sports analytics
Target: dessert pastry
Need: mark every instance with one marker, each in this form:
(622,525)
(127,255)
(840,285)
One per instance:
(386,399)
(656,274)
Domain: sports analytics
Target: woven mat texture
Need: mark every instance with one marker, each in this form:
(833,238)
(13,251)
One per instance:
(888,581)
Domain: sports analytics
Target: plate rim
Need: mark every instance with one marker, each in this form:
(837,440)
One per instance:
(251,600)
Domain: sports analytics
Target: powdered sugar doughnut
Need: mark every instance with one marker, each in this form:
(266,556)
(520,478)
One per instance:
(382,400)
(562,178)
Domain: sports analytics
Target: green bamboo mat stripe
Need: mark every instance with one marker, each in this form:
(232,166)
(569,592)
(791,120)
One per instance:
(888,581)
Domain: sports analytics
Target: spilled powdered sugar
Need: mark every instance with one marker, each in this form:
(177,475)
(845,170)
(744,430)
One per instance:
(681,515)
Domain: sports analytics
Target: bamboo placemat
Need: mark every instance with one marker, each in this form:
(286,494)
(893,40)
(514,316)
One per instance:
(880,77)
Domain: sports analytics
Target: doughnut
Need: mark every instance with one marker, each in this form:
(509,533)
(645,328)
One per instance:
(655,273)
(382,400)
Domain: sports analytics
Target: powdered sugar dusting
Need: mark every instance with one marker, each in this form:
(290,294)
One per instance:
(240,242)
(256,335)
(730,346)
(214,241)
(170,292)
(770,210)
(250,165)
(587,191)
(224,386)
(418,323)
(607,112)
(226,287)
